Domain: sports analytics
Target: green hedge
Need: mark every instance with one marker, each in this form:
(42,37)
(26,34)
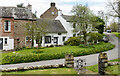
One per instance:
(19,58)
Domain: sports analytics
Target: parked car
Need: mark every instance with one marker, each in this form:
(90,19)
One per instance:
(108,31)
(105,39)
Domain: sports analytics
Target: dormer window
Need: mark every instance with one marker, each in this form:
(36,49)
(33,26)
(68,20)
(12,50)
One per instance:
(7,26)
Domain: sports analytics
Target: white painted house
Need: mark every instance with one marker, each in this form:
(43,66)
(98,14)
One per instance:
(55,34)
(65,20)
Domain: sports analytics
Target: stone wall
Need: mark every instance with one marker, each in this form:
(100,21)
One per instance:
(32,67)
(20,34)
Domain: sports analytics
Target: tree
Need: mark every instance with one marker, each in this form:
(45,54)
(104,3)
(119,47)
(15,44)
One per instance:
(41,30)
(84,19)
(114,27)
(114,8)
(101,26)
(21,5)
(31,31)
(36,30)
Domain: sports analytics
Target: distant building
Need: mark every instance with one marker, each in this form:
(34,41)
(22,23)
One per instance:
(51,13)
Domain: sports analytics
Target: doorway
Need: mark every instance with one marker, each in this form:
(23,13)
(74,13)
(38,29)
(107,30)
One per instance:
(1,43)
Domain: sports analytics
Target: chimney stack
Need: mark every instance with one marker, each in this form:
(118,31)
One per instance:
(29,7)
(59,12)
(52,4)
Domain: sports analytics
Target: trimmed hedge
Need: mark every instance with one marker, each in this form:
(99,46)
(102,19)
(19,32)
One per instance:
(19,58)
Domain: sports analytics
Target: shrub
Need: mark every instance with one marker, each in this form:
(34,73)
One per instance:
(51,45)
(94,37)
(73,41)
(99,36)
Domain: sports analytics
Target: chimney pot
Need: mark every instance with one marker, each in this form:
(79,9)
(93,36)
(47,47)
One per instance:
(52,4)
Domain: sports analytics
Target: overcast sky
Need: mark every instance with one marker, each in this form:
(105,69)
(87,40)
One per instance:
(65,5)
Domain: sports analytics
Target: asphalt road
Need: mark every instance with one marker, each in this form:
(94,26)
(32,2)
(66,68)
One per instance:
(90,59)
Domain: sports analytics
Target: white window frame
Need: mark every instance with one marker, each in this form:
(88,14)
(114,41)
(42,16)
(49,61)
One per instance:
(9,26)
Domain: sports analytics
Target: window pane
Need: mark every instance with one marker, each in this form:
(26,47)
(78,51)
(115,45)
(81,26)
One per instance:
(47,39)
(64,38)
(7,25)
(5,40)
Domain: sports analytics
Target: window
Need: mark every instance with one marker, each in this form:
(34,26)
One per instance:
(47,39)
(5,40)
(55,39)
(52,13)
(74,35)
(7,26)
(64,38)
(59,33)
(28,39)
(74,26)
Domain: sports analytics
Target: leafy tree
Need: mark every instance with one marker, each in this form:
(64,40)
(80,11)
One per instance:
(84,19)
(41,31)
(21,5)
(36,30)
(31,30)
(114,27)
(101,26)
(108,28)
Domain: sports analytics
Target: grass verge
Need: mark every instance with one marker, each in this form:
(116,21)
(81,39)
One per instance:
(110,69)
(116,34)
(46,71)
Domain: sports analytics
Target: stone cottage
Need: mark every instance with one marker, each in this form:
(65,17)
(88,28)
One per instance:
(12,20)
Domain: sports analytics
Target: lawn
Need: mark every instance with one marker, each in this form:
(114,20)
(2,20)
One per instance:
(113,69)
(116,34)
(109,69)
(46,71)
(30,55)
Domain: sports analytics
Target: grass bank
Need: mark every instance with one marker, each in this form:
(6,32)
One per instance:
(116,34)
(110,69)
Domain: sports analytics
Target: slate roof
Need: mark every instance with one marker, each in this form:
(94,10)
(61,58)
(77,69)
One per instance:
(54,26)
(67,17)
(16,12)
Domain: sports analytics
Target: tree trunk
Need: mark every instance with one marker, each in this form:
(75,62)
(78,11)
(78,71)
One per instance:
(85,40)
(32,42)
